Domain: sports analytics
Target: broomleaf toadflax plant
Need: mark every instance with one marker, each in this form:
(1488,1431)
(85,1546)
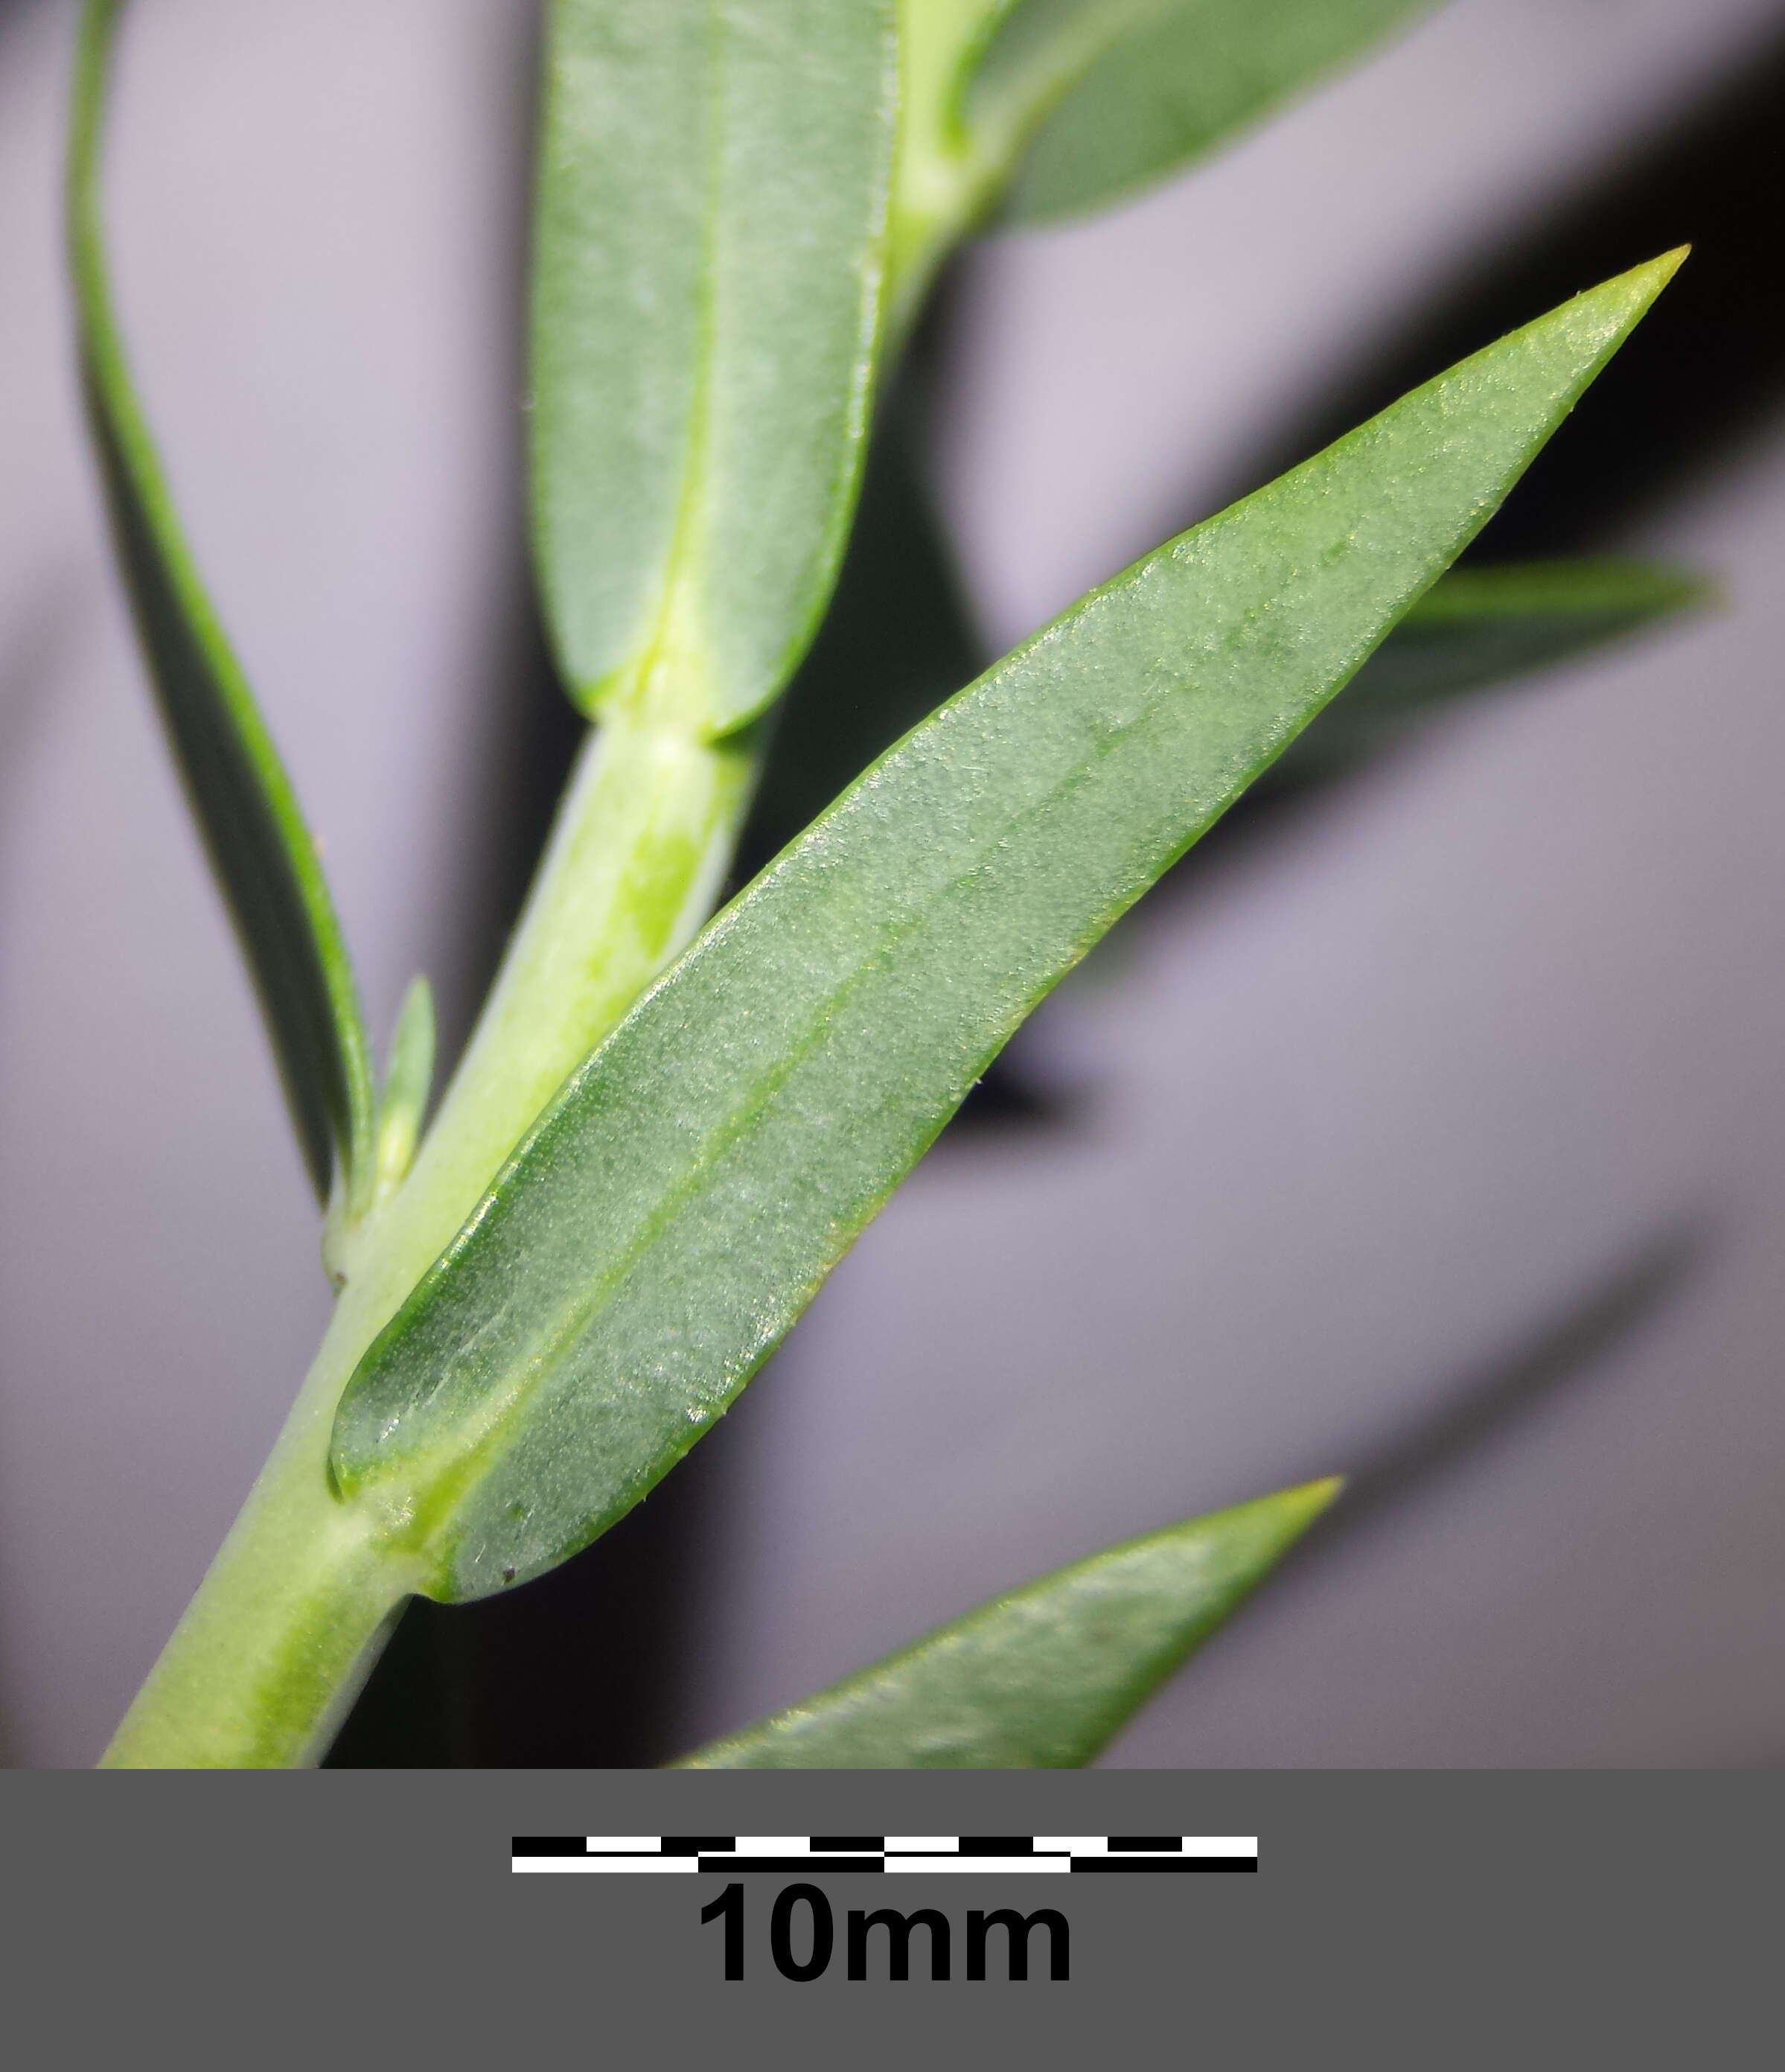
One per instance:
(670,1124)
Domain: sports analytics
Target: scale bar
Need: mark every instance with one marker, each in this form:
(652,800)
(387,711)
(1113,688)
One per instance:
(730,1855)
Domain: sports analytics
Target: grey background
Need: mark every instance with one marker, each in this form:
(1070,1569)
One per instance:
(1488,1038)
(1471,1921)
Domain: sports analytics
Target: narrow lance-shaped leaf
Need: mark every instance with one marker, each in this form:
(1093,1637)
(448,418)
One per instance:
(711,206)
(1127,91)
(676,1209)
(1482,627)
(1044,1677)
(260,849)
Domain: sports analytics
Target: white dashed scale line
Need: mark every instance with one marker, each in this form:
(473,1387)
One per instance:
(726,1855)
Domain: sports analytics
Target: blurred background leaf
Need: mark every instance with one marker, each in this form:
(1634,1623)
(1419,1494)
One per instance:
(1166,81)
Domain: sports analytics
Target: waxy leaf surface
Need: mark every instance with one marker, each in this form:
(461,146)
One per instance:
(1044,1677)
(259,846)
(681,1203)
(713,191)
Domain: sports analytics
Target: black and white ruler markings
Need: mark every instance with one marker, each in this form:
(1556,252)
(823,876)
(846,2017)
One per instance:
(726,1855)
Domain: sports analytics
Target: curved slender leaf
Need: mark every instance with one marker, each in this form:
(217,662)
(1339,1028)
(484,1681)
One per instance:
(1127,91)
(650,1244)
(1045,1676)
(260,849)
(712,206)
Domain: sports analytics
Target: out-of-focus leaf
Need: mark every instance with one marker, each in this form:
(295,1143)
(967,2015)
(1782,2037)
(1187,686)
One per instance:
(708,257)
(1123,92)
(1045,1676)
(676,1209)
(260,849)
(1482,627)
(1078,102)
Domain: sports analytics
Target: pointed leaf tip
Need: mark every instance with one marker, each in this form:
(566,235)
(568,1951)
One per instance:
(1044,1677)
(1613,308)
(1627,297)
(1654,274)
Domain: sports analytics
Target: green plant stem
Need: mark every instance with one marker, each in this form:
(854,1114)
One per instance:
(636,860)
(304,1593)
(295,1609)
